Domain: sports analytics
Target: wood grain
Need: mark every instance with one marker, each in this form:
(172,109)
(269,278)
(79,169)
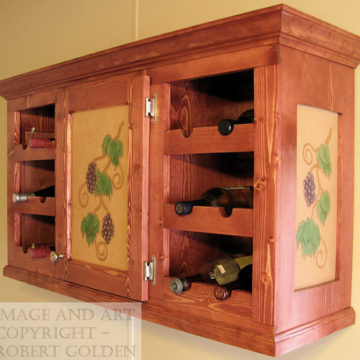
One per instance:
(208,140)
(33,154)
(159,188)
(36,206)
(211,220)
(138,195)
(265,172)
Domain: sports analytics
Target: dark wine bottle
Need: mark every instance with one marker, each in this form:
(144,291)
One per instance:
(227,197)
(226,126)
(220,272)
(244,282)
(43,193)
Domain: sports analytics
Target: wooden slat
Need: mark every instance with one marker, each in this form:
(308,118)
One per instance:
(33,154)
(36,207)
(210,220)
(208,140)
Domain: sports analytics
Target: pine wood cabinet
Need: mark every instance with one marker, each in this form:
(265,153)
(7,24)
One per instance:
(134,130)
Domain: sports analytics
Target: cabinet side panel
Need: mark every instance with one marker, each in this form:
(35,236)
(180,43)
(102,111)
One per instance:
(308,80)
(265,162)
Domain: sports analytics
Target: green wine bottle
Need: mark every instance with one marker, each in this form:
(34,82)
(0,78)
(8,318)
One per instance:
(220,272)
(244,282)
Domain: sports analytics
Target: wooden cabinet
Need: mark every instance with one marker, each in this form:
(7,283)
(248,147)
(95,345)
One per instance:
(135,130)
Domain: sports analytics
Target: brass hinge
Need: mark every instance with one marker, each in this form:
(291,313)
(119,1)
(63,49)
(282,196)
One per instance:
(150,270)
(150,107)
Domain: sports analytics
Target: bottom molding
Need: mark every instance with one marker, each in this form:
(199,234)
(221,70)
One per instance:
(302,335)
(263,341)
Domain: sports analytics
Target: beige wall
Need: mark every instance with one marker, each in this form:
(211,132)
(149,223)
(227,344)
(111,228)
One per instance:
(37,33)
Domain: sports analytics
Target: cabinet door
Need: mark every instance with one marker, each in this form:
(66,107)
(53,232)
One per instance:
(107,185)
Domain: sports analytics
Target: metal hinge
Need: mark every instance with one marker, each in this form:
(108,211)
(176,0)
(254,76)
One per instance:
(150,270)
(150,107)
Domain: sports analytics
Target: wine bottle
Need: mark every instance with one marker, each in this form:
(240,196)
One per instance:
(41,143)
(221,271)
(178,285)
(244,282)
(227,197)
(226,126)
(39,252)
(43,193)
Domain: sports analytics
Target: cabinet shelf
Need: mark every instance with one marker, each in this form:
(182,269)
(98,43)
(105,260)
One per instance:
(31,154)
(35,206)
(208,140)
(209,219)
(202,295)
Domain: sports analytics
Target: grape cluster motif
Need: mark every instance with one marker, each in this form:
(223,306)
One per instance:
(309,189)
(308,234)
(107,231)
(91,178)
(99,184)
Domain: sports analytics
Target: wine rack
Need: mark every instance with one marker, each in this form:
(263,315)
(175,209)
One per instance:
(201,158)
(34,170)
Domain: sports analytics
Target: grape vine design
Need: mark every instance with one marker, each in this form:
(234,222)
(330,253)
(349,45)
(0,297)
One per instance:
(316,197)
(100,184)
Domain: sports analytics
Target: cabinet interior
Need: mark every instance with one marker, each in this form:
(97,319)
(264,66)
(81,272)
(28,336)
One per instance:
(36,122)
(202,103)
(36,168)
(38,230)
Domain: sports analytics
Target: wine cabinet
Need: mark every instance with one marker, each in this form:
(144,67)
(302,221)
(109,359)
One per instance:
(127,133)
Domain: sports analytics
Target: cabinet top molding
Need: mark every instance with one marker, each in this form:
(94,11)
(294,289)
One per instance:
(269,27)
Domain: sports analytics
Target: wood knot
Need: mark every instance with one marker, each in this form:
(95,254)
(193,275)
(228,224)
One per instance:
(259,185)
(265,279)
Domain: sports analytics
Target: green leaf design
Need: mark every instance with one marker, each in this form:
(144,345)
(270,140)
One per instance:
(323,159)
(308,235)
(323,206)
(115,150)
(104,184)
(105,143)
(90,227)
